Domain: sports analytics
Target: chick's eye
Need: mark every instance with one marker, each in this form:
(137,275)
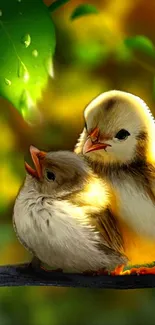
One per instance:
(50,175)
(122,134)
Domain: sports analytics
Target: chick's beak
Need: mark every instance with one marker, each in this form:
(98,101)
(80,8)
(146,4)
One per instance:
(36,155)
(92,143)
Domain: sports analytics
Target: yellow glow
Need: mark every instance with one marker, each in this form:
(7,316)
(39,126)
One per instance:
(29,110)
(151,151)
(8,192)
(26,76)
(151,146)
(7,139)
(71,103)
(51,69)
(150,123)
(138,249)
(96,193)
(30,102)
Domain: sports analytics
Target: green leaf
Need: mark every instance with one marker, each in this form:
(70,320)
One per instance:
(82,10)
(141,43)
(123,53)
(56,4)
(27,45)
(149,265)
(90,53)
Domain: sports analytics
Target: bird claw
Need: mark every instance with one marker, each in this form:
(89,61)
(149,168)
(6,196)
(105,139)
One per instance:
(118,270)
(35,266)
(46,270)
(94,273)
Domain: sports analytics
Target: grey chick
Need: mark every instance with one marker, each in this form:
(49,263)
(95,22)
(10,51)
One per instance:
(62,215)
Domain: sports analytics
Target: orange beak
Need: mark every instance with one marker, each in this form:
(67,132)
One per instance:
(37,156)
(91,145)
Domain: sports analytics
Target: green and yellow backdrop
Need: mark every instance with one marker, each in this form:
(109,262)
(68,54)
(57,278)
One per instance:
(53,60)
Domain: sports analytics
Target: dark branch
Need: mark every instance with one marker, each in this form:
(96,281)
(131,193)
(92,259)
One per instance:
(21,275)
(56,4)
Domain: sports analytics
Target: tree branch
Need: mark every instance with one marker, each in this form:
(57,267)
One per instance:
(21,275)
(144,65)
(56,4)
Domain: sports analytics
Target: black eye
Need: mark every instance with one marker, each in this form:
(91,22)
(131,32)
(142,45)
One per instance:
(122,134)
(50,175)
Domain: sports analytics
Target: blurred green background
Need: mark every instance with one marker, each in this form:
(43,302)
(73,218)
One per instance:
(91,57)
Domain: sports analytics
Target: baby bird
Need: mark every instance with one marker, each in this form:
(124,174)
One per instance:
(119,142)
(62,214)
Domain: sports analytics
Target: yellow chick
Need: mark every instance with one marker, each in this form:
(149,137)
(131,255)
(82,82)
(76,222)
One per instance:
(119,142)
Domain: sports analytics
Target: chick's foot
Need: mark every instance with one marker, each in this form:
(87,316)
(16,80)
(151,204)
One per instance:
(94,273)
(118,270)
(50,271)
(143,270)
